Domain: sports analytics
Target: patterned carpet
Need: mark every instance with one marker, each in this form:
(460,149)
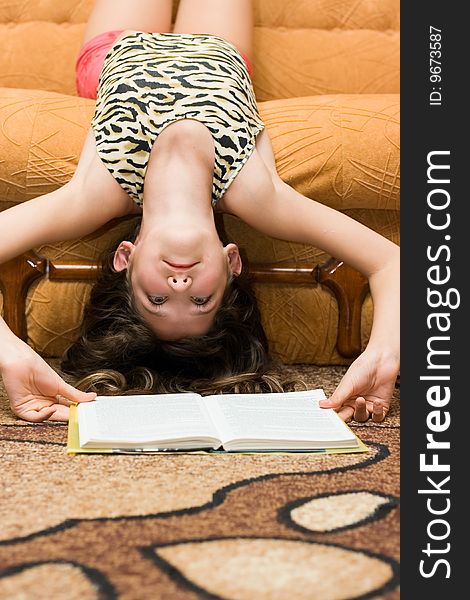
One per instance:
(238,527)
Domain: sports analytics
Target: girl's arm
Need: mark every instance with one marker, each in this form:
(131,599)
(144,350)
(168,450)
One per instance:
(288,215)
(87,201)
(35,391)
(272,207)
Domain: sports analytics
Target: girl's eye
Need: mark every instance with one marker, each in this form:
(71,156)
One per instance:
(158,299)
(200,301)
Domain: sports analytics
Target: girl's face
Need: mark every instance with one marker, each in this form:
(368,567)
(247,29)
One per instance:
(178,287)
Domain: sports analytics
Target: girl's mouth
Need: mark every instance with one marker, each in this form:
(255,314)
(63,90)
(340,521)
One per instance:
(180,265)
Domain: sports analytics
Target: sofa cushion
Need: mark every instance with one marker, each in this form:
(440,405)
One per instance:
(301,48)
(341,150)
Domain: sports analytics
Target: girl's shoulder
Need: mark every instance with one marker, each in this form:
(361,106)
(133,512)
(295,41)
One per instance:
(256,180)
(252,193)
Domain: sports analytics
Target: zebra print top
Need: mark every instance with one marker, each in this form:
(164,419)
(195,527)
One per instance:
(150,80)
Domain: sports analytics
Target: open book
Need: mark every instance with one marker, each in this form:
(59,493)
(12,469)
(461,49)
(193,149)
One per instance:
(291,421)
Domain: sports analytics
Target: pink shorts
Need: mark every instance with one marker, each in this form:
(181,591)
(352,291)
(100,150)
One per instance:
(91,58)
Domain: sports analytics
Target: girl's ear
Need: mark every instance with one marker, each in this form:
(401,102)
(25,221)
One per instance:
(234,259)
(122,255)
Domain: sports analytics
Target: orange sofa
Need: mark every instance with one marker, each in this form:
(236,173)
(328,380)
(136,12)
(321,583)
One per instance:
(326,76)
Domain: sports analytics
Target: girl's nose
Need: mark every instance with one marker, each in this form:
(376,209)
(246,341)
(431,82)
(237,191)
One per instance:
(179,282)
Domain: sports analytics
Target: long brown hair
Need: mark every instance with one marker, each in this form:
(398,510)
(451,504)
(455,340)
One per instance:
(117,352)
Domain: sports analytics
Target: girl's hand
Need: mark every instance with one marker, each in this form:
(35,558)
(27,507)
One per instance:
(36,392)
(366,388)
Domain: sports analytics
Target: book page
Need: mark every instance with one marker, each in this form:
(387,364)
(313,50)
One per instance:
(146,418)
(280,416)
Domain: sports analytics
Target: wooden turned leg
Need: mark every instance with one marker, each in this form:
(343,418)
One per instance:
(348,285)
(350,289)
(16,276)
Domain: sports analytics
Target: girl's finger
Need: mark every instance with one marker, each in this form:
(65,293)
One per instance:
(346,413)
(73,395)
(361,413)
(60,413)
(378,414)
(37,415)
(343,392)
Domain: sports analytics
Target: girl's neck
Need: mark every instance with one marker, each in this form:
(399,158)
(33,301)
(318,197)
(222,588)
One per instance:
(178,182)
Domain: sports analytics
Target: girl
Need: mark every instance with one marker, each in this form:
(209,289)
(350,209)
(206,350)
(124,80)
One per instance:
(177,136)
